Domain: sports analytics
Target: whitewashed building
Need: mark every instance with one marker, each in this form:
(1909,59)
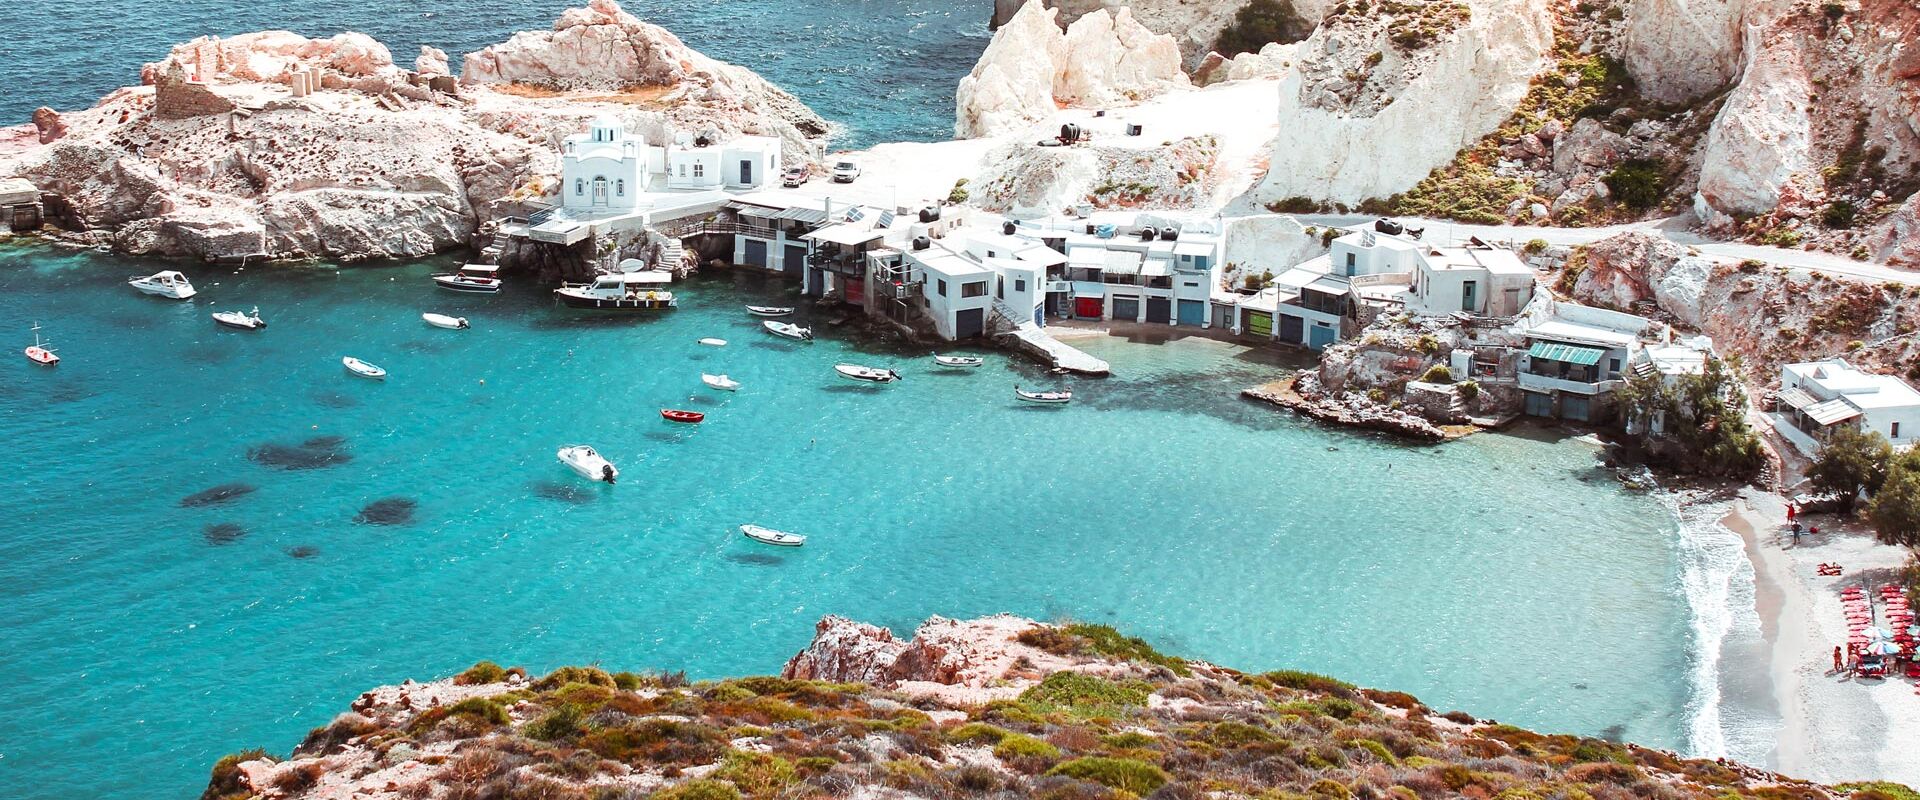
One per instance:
(742,163)
(1818,397)
(603,169)
(1478,279)
(1576,358)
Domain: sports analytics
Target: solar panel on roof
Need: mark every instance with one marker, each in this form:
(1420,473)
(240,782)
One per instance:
(855,214)
(886,219)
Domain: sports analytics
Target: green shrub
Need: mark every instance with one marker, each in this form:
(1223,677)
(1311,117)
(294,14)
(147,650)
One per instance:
(1260,23)
(757,774)
(1235,734)
(1878,789)
(977,732)
(1468,390)
(700,789)
(1838,214)
(482,709)
(1438,373)
(560,723)
(1297,204)
(1378,750)
(1107,641)
(1020,745)
(1132,740)
(959,194)
(225,780)
(1085,695)
(483,672)
(1125,774)
(565,675)
(1310,682)
(1638,183)
(728,693)
(1535,247)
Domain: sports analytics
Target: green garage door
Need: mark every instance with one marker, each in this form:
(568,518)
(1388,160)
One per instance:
(1259,323)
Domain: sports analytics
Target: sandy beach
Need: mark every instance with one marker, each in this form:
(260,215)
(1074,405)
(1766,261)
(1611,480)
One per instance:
(1833,728)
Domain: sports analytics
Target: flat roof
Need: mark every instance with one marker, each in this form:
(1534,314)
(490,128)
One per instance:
(847,233)
(1186,248)
(948,263)
(1493,260)
(1582,334)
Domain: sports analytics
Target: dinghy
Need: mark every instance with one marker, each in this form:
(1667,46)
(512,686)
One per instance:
(769,311)
(1054,397)
(712,342)
(444,321)
(720,382)
(772,537)
(958,361)
(41,352)
(789,330)
(681,415)
(588,463)
(855,372)
(245,322)
(163,284)
(363,369)
(481,278)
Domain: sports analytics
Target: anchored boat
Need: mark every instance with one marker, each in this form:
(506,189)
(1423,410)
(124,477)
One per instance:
(712,342)
(168,284)
(681,415)
(772,537)
(363,369)
(788,330)
(479,278)
(958,362)
(444,321)
(588,463)
(855,372)
(1055,397)
(41,352)
(620,291)
(720,382)
(769,311)
(245,322)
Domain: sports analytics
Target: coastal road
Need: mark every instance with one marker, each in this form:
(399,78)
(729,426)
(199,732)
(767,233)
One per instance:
(1676,229)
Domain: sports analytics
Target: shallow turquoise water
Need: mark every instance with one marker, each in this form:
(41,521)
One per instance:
(1505,575)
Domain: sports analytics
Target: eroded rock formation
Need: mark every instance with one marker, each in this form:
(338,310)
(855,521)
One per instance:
(1033,68)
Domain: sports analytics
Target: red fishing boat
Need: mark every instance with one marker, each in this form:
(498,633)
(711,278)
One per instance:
(678,415)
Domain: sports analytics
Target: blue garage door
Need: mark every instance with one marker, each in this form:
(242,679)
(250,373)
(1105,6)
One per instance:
(756,255)
(1193,312)
(1320,335)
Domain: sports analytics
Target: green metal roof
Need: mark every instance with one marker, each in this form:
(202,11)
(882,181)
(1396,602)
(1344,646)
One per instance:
(1584,356)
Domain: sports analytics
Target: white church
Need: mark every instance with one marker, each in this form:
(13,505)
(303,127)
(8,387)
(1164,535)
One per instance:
(608,170)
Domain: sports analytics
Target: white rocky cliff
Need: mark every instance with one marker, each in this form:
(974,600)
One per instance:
(1032,68)
(275,145)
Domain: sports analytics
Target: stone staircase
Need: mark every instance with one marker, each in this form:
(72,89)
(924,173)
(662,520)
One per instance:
(672,253)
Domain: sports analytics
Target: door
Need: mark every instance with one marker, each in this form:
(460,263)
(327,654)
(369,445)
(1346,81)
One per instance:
(1467,298)
(746,172)
(1193,312)
(1126,309)
(1539,405)
(599,191)
(756,253)
(1320,335)
(969,322)
(1259,323)
(854,290)
(1576,407)
(1290,329)
(795,259)
(1039,317)
(1223,317)
(1160,309)
(1089,307)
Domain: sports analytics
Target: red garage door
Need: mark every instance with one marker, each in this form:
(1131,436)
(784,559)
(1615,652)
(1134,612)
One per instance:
(853,289)
(1089,307)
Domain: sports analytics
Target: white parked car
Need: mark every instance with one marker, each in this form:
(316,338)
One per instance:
(845,170)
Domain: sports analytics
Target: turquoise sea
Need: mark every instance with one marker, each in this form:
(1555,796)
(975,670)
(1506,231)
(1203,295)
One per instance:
(142,638)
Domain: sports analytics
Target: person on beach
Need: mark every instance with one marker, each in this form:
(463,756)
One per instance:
(1837,662)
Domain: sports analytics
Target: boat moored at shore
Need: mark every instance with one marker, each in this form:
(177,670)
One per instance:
(620,291)
(168,284)
(475,278)
(958,362)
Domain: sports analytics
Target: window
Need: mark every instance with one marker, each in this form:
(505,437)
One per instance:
(1613,366)
(683,170)
(1000,286)
(1895,434)
(699,170)
(943,287)
(973,289)
(620,187)
(1020,285)
(579,186)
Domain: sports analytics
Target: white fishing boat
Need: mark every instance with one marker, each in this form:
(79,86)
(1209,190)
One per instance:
(788,330)
(363,369)
(769,311)
(41,352)
(444,321)
(588,463)
(620,291)
(163,284)
(958,362)
(1055,397)
(720,382)
(772,537)
(855,372)
(712,342)
(246,322)
(481,278)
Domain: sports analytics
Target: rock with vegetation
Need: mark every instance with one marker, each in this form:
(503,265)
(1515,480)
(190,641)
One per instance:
(1079,711)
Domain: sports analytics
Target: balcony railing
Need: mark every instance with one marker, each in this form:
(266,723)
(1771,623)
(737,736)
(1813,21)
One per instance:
(1548,383)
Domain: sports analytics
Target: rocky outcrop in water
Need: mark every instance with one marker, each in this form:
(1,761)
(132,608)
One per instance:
(1032,68)
(279,146)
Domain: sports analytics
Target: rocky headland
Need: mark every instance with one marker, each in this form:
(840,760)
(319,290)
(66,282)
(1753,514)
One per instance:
(273,145)
(993,707)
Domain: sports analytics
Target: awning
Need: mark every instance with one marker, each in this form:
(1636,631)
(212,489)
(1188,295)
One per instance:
(1087,257)
(1156,267)
(1831,412)
(1553,351)
(1797,398)
(1122,262)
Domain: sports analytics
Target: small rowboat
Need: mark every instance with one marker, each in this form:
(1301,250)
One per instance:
(444,321)
(855,372)
(721,382)
(363,369)
(788,330)
(41,352)
(772,537)
(712,342)
(769,311)
(678,415)
(245,322)
(958,361)
(1055,397)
